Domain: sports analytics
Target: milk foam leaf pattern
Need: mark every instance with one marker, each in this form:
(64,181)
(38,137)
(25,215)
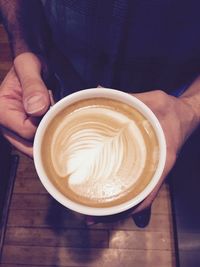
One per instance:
(100,160)
(99,154)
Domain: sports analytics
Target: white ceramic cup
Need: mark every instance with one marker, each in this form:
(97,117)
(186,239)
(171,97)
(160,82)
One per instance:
(94,93)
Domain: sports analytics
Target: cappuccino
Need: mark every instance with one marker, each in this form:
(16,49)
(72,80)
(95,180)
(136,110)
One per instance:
(100,152)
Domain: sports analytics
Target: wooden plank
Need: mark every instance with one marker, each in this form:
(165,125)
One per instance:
(43,200)
(86,238)
(162,203)
(31,186)
(141,240)
(27,181)
(58,216)
(26,167)
(31,201)
(158,223)
(78,238)
(60,256)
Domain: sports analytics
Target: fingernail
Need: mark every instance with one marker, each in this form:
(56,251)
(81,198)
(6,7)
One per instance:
(34,104)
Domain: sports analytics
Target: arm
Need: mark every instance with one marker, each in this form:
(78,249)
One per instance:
(191,97)
(25,25)
(23,94)
(179,117)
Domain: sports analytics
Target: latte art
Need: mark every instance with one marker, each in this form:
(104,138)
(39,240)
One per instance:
(100,152)
(99,159)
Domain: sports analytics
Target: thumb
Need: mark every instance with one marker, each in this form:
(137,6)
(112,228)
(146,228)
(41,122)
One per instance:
(35,94)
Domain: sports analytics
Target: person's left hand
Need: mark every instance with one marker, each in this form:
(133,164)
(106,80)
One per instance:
(175,117)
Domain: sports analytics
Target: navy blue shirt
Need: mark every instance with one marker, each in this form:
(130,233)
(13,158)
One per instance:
(131,45)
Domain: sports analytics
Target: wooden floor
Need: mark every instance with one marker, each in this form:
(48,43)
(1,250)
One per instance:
(40,232)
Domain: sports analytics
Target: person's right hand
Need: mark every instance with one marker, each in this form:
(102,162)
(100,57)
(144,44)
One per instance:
(23,99)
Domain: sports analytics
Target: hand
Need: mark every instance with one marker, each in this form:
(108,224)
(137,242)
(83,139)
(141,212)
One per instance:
(23,99)
(176,118)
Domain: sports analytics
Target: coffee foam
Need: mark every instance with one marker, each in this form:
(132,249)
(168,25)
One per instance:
(100,152)
(100,160)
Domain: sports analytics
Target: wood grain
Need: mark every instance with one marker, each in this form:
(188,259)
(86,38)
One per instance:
(61,256)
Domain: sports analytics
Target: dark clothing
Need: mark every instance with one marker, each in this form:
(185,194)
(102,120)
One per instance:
(131,45)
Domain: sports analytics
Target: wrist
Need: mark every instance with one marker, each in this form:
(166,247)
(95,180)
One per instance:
(189,115)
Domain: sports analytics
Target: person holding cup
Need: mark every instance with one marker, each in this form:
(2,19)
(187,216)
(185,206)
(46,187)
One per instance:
(115,44)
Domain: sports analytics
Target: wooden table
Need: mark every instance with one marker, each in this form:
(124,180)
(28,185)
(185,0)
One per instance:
(41,232)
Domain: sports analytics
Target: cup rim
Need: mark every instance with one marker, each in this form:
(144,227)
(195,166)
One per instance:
(85,94)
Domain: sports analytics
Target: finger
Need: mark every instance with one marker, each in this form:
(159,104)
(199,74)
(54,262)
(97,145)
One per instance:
(22,145)
(13,115)
(51,97)
(18,122)
(35,94)
(10,81)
